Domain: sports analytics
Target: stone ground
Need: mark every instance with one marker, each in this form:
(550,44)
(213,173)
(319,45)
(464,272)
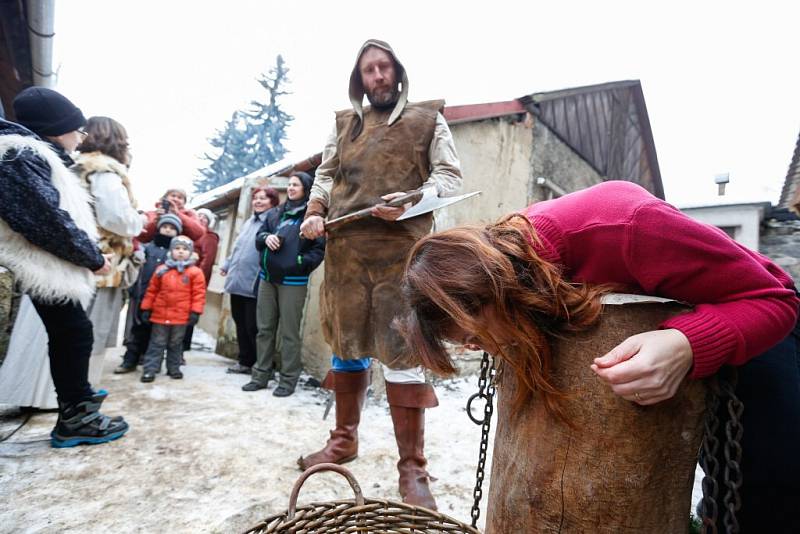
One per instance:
(203,456)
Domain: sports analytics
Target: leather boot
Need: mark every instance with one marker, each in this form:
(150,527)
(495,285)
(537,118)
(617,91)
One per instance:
(350,390)
(407,403)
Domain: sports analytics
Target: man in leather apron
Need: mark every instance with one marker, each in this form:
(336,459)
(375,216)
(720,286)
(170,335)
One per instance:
(375,154)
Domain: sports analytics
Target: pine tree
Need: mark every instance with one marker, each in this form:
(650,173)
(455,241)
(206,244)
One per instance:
(268,121)
(252,138)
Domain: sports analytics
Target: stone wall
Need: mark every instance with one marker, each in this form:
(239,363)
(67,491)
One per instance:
(554,160)
(780,241)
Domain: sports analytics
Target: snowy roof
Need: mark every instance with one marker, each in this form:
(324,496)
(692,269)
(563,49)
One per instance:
(739,205)
(229,192)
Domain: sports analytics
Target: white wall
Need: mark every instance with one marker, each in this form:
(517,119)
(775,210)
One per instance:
(743,219)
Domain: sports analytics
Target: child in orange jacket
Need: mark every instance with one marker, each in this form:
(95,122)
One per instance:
(175,298)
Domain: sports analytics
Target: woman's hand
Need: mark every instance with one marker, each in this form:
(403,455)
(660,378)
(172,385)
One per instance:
(273,242)
(646,368)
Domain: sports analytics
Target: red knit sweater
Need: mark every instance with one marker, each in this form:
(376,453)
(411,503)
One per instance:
(618,233)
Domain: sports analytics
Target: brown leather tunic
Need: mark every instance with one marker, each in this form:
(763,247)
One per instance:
(360,296)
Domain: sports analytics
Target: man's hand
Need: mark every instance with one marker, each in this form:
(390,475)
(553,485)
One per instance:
(146,315)
(390,214)
(106,268)
(646,368)
(273,242)
(193,318)
(313,227)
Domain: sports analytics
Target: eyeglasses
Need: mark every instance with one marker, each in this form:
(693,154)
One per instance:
(83,132)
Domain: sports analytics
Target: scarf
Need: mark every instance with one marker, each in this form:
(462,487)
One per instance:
(293,207)
(175,264)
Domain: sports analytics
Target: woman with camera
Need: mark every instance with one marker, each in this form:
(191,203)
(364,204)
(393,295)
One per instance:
(173,201)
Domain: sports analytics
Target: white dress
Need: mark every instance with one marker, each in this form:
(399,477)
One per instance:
(25,375)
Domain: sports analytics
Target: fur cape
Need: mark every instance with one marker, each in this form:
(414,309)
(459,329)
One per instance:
(121,247)
(39,273)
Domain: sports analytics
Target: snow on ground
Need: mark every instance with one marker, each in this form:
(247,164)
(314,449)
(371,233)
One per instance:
(204,456)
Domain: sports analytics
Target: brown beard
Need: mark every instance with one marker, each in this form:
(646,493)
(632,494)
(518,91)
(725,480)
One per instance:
(384,98)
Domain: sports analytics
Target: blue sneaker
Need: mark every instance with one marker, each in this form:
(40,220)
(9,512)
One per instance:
(82,424)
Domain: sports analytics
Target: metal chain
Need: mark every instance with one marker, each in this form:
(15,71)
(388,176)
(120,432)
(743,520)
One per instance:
(732,450)
(486,390)
(733,457)
(708,461)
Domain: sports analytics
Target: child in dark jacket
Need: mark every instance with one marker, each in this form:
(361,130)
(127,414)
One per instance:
(137,330)
(175,298)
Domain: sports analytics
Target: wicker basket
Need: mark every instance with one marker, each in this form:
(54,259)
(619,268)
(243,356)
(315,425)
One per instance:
(357,515)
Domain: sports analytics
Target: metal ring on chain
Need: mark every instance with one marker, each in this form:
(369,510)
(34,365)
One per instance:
(469,407)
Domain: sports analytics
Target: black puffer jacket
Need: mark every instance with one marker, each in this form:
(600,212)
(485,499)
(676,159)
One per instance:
(29,205)
(155,253)
(292,263)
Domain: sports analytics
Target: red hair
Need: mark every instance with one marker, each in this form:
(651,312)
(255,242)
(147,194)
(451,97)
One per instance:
(454,277)
(271,193)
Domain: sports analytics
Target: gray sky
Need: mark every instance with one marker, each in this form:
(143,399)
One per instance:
(719,78)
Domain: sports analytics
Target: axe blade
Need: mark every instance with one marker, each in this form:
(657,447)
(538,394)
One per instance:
(431,202)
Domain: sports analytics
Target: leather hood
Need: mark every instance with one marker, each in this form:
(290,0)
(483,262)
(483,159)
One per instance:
(356,90)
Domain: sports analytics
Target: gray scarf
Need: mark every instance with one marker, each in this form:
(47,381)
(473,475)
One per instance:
(175,264)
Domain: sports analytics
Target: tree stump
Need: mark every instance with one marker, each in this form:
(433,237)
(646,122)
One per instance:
(623,468)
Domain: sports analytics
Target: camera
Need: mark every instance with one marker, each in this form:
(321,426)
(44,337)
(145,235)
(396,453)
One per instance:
(165,205)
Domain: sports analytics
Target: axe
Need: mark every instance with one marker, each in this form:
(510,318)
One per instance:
(424,200)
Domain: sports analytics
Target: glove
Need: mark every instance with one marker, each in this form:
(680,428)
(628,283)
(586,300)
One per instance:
(146,315)
(193,318)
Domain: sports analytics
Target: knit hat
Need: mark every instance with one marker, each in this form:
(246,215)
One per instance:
(46,112)
(170,218)
(212,219)
(356,90)
(306,179)
(181,240)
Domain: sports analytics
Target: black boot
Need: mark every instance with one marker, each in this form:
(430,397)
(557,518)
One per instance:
(82,423)
(129,362)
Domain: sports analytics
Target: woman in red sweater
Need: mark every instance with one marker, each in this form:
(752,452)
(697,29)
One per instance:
(506,286)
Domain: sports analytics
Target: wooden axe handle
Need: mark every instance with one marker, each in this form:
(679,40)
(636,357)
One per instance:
(338,222)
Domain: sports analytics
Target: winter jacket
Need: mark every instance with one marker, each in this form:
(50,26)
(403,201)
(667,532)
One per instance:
(171,296)
(47,228)
(617,233)
(192,227)
(297,257)
(155,254)
(206,248)
(242,264)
